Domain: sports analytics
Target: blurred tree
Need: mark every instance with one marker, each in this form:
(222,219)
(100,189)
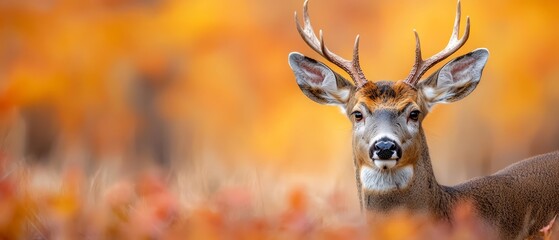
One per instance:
(42,129)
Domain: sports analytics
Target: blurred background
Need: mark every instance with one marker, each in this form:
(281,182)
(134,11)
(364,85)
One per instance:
(202,88)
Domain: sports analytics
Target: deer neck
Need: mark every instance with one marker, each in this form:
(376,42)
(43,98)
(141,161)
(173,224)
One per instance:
(413,187)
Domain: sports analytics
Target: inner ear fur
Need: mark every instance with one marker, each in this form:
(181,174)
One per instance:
(318,82)
(456,79)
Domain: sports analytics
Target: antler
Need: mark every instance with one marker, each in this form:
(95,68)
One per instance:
(317,44)
(421,66)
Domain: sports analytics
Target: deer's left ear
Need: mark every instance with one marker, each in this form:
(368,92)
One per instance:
(455,80)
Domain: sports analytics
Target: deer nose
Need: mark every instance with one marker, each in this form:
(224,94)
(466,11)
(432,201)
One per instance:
(385,149)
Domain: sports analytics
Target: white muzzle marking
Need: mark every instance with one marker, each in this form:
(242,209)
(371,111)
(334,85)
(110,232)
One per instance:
(385,164)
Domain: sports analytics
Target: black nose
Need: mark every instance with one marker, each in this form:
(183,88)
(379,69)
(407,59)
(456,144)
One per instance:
(384,149)
(385,145)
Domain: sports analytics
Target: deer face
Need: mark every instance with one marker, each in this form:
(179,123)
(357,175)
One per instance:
(386,116)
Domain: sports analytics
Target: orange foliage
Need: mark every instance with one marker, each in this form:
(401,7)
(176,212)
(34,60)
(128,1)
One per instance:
(150,210)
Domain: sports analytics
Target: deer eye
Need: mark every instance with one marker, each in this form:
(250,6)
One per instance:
(414,115)
(357,115)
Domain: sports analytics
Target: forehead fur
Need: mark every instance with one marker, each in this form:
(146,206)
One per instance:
(385,94)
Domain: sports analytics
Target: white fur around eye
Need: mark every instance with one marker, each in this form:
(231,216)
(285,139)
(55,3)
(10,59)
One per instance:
(412,127)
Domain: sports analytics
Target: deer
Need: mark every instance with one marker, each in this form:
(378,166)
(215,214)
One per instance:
(390,153)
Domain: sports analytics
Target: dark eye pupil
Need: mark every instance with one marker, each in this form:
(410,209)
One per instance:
(358,116)
(414,115)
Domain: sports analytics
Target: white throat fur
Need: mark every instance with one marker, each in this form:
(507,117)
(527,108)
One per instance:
(376,179)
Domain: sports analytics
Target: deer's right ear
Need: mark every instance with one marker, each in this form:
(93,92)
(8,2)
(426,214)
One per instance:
(318,82)
(456,79)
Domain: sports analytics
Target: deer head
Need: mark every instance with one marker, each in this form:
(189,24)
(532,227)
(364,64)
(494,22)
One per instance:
(387,116)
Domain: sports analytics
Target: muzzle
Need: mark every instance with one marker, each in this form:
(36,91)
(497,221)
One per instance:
(385,153)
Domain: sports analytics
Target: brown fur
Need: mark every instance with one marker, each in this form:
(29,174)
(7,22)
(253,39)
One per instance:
(384,95)
(528,190)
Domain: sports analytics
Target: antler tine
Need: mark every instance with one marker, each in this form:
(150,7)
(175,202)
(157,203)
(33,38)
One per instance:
(421,66)
(317,44)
